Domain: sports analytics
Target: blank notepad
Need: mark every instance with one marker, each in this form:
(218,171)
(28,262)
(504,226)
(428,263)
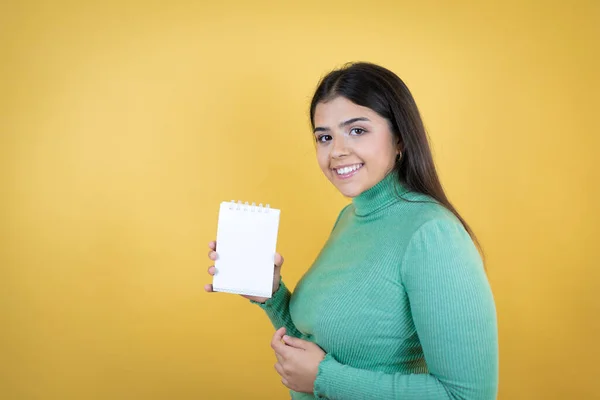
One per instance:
(246,246)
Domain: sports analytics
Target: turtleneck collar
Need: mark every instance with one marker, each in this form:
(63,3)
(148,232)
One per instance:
(384,193)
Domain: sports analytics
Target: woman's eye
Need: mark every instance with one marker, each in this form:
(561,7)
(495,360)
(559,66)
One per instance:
(323,138)
(357,131)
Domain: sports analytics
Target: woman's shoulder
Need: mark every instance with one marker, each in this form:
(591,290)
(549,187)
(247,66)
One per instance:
(414,210)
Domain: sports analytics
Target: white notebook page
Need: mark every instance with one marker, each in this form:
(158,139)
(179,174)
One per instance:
(246,246)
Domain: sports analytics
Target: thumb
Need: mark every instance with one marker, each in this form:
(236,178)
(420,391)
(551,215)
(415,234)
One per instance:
(278,260)
(278,335)
(295,342)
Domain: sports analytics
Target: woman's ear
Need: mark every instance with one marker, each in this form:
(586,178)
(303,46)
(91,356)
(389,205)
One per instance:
(399,146)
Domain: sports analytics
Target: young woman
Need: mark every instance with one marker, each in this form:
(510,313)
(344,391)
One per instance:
(397,304)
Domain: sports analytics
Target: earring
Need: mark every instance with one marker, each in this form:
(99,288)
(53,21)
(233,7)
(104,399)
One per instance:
(398,156)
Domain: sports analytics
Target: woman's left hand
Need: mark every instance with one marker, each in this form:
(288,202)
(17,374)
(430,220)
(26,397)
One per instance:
(297,361)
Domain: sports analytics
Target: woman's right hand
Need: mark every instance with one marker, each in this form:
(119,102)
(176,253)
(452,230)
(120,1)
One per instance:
(212,255)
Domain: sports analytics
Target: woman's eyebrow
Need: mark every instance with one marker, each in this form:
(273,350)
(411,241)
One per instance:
(343,124)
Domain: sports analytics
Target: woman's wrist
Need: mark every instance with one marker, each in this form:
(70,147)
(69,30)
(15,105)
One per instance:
(276,285)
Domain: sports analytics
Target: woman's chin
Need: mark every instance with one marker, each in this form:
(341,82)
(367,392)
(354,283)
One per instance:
(350,192)
(347,187)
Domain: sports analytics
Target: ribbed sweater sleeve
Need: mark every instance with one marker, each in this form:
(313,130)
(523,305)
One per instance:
(455,318)
(277,309)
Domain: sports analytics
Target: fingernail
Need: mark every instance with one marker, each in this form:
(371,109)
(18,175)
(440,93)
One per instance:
(285,337)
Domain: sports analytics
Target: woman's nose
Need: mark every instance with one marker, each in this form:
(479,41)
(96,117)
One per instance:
(340,147)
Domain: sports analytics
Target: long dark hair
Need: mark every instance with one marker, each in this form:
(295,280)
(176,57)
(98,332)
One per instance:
(373,86)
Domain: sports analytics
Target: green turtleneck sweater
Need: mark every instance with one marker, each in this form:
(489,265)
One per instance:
(399,300)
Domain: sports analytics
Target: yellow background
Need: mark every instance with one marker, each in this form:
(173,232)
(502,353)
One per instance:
(124,124)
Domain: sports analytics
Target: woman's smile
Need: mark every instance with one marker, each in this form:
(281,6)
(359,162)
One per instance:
(347,171)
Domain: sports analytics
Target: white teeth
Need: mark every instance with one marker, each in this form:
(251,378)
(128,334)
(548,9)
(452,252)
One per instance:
(347,170)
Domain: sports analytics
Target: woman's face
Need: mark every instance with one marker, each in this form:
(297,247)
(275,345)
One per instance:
(355,146)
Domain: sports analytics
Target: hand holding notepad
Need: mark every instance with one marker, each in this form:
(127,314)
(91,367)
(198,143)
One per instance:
(245,259)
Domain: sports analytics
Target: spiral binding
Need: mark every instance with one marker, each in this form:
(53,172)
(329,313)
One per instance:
(233,205)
